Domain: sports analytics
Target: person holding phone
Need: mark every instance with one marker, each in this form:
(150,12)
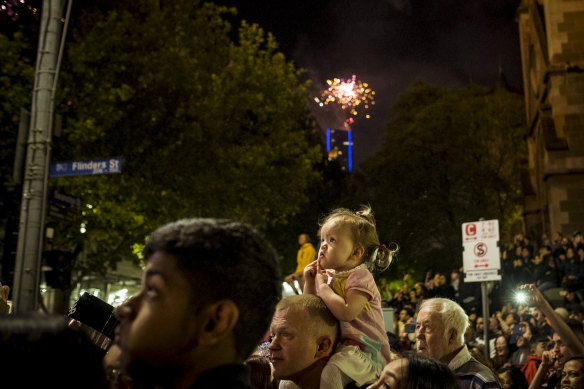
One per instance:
(406,316)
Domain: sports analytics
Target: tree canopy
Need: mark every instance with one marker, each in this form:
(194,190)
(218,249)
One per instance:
(208,122)
(16,76)
(212,120)
(448,157)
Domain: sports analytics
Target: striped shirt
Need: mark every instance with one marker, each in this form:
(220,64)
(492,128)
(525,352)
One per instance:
(471,373)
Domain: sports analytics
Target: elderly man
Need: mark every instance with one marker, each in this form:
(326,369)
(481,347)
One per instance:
(440,329)
(303,335)
(197,318)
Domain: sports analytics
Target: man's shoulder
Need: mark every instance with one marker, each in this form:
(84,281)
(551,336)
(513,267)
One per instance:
(474,374)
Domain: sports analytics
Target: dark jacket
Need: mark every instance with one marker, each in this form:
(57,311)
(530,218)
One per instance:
(225,377)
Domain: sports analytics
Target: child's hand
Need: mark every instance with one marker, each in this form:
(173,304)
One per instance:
(310,272)
(321,276)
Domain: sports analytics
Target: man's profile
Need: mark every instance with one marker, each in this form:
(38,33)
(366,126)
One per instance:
(197,318)
(440,328)
(303,336)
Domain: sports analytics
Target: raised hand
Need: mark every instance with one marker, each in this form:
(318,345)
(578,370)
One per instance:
(548,358)
(321,276)
(309,278)
(534,296)
(310,271)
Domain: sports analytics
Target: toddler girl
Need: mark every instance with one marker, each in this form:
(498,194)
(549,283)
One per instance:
(341,276)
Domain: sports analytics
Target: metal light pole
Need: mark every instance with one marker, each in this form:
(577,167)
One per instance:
(27,268)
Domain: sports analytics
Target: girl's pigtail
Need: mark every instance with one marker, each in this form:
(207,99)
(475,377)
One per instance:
(383,256)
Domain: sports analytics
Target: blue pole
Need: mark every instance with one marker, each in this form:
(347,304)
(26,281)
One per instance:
(350,147)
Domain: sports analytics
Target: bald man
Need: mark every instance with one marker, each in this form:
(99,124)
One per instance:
(303,336)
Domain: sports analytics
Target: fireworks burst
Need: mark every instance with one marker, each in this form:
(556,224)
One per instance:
(14,8)
(351,95)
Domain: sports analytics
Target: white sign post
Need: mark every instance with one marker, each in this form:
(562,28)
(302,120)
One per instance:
(480,258)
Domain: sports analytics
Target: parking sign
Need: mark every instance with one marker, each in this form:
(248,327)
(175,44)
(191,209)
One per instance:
(481,259)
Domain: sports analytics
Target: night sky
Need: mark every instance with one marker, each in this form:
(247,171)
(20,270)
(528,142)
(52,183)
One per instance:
(391,43)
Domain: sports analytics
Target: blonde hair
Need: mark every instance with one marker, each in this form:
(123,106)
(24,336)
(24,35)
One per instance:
(321,318)
(361,223)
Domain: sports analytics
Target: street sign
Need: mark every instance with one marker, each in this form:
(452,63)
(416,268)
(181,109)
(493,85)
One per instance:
(63,206)
(64,200)
(480,258)
(83,168)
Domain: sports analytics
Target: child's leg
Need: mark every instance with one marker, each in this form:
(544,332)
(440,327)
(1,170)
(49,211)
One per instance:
(332,377)
(284,384)
(348,364)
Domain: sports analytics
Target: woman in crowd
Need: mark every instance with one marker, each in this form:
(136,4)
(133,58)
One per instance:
(573,373)
(261,372)
(501,352)
(415,371)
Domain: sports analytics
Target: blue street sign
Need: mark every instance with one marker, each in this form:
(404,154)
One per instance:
(64,200)
(83,168)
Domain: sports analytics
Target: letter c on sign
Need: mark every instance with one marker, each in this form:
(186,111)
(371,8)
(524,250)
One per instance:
(471,229)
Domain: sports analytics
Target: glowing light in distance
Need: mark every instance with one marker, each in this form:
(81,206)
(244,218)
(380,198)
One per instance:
(351,95)
(520,297)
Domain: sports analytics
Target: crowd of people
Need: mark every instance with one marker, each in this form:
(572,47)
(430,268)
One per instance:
(521,335)
(552,264)
(198,323)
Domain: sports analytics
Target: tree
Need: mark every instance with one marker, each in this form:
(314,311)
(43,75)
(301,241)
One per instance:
(205,127)
(449,156)
(16,77)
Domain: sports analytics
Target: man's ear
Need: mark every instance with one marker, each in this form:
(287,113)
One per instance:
(452,337)
(325,346)
(219,320)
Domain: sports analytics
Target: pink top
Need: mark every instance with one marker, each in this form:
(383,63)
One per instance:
(367,330)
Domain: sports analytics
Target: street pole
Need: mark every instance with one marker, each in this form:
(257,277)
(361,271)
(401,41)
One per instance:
(27,270)
(485,301)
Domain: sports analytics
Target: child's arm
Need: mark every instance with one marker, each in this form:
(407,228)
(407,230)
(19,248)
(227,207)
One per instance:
(344,310)
(309,278)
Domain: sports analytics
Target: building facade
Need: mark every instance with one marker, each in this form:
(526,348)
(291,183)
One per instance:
(552,50)
(339,146)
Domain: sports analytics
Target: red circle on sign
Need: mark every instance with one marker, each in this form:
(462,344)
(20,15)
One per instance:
(480,249)
(471,229)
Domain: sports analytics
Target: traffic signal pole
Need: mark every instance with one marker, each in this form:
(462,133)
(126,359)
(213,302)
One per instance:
(27,270)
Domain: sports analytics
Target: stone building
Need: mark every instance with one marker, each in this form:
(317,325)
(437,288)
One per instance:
(552,50)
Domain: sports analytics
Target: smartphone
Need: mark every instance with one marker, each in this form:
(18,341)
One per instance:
(517,329)
(410,328)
